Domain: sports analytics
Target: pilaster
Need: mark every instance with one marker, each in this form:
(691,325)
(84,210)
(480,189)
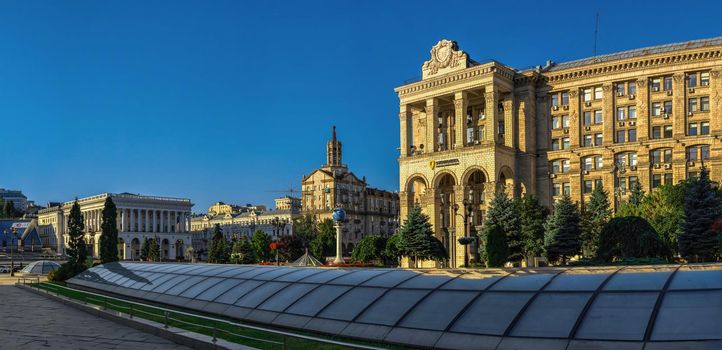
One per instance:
(432,108)
(608,117)
(642,110)
(679,117)
(491,107)
(405,122)
(460,103)
(575,120)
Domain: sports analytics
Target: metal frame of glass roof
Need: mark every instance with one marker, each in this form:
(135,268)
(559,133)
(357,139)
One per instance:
(650,307)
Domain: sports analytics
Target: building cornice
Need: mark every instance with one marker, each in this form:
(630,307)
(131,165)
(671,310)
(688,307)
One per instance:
(466,74)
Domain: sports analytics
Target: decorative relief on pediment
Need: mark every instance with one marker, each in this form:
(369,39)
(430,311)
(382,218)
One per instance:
(445,57)
(573,94)
(641,83)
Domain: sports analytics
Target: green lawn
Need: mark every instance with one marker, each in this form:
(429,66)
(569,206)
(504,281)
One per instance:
(200,325)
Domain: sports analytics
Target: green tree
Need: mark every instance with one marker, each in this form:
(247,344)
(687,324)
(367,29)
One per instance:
(153,250)
(217,252)
(242,252)
(9,210)
(391,250)
(417,238)
(698,239)
(292,248)
(505,213)
(637,195)
(561,231)
(324,244)
(109,233)
(77,250)
(495,248)
(145,250)
(2,209)
(259,242)
(369,249)
(532,217)
(630,237)
(305,229)
(595,215)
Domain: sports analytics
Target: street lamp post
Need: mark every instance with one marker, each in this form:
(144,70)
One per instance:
(468,212)
(12,255)
(445,240)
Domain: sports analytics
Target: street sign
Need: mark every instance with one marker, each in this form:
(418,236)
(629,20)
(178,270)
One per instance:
(20,225)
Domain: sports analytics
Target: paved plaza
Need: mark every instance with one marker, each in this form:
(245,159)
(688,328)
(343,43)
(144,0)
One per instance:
(31,321)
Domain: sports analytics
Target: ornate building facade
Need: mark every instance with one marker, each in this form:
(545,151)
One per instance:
(368,210)
(649,116)
(165,219)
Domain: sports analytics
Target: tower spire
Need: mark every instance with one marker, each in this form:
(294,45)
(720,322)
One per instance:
(333,151)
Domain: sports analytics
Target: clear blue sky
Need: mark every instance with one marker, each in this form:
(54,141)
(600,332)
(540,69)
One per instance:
(227,100)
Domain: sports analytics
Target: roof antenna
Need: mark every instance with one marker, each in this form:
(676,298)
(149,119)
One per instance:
(596,31)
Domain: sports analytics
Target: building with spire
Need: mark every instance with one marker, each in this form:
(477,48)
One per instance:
(369,210)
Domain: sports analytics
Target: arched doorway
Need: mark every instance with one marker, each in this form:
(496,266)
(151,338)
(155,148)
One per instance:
(505,182)
(475,198)
(135,249)
(415,190)
(121,249)
(164,246)
(446,223)
(179,250)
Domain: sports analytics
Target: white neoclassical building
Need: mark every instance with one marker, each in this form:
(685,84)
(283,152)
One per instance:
(165,219)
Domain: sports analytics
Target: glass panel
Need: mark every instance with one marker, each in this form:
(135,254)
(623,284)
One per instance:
(357,277)
(260,294)
(689,315)
(158,281)
(618,316)
(687,278)
(325,276)
(390,279)
(316,300)
(298,275)
(426,281)
(350,304)
(580,282)
(269,275)
(638,281)
(192,292)
(252,273)
(491,314)
(551,315)
(188,282)
(470,281)
(437,310)
(220,288)
(233,294)
(169,283)
(281,300)
(389,309)
(523,282)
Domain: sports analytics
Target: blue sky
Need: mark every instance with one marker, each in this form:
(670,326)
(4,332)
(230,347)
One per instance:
(229,100)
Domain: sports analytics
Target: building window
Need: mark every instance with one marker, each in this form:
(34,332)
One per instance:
(667,107)
(555,100)
(565,143)
(555,144)
(656,109)
(667,83)
(656,180)
(632,112)
(556,122)
(668,179)
(565,121)
(597,117)
(587,140)
(627,159)
(656,132)
(566,189)
(692,105)
(692,129)
(481,132)
(565,98)
(692,80)
(632,88)
(621,113)
(692,153)
(704,128)
(557,189)
(588,186)
(667,131)
(632,135)
(588,163)
(692,175)
(501,128)
(598,94)
(598,162)
(656,84)
(587,118)
(621,136)
(620,89)
(704,79)
(597,139)
(587,94)
(560,166)
(704,152)
(704,104)
(660,156)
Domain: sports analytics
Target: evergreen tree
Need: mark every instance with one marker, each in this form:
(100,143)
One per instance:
(595,215)
(2,209)
(630,237)
(504,212)
(561,231)
(324,244)
(242,252)
(391,250)
(305,228)
(698,236)
(109,233)
(532,216)
(636,195)
(495,247)
(217,250)
(417,238)
(259,242)
(153,250)
(9,210)
(77,250)
(369,249)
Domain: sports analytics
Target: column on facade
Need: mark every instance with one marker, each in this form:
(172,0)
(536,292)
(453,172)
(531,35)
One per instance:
(432,109)
(715,124)
(154,222)
(509,126)
(406,124)
(608,115)
(679,125)
(491,104)
(147,220)
(575,119)
(133,220)
(460,104)
(642,110)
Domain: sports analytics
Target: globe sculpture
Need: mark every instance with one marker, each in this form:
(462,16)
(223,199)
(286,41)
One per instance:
(339,215)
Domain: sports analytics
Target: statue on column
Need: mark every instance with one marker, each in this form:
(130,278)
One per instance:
(339,217)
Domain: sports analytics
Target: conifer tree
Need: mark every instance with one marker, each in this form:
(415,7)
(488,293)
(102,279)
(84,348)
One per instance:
(9,210)
(532,216)
(260,241)
(504,212)
(697,238)
(242,252)
(109,233)
(495,247)
(153,250)
(561,231)
(595,215)
(636,195)
(77,250)
(417,240)
(217,250)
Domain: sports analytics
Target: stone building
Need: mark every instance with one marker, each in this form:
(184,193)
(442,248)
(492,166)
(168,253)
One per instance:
(19,200)
(246,219)
(139,217)
(648,116)
(369,210)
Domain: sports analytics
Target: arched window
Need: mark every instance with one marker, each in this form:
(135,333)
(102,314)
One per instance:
(626,160)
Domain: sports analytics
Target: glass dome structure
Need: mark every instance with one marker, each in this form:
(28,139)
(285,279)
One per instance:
(41,267)
(651,307)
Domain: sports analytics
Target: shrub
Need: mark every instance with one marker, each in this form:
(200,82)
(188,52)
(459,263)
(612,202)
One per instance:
(630,237)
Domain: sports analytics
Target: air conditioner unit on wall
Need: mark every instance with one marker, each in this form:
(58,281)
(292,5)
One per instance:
(588,104)
(669,92)
(621,123)
(632,123)
(655,88)
(566,131)
(566,107)
(631,96)
(691,90)
(668,166)
(555,108)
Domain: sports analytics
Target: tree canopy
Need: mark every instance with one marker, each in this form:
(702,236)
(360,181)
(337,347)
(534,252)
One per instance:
(562,237)
(109,233)
(698,238)
(417,240)
(630,237)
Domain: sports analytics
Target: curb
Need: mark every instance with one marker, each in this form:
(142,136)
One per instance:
(176,335)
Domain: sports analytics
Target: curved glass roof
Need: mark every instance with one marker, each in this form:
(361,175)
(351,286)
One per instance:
(650,307)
